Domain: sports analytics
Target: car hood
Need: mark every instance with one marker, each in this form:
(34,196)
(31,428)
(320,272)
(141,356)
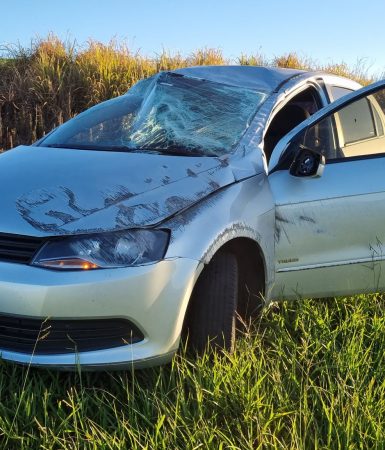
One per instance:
(47,191)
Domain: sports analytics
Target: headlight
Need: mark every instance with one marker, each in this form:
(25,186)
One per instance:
(104,250)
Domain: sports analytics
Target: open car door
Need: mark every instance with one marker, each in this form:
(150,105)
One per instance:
(329,189)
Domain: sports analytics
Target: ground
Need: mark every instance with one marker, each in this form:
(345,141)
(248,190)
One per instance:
(307,374)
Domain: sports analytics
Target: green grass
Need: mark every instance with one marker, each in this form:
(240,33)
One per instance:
(309,375)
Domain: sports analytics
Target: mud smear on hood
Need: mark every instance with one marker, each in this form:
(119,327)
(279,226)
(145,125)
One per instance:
(108,198)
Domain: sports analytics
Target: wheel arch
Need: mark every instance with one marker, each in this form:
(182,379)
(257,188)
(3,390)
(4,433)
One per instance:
(252,273)
(244,243)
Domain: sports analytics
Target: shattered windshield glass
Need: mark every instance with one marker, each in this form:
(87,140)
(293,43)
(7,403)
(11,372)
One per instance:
(168,113)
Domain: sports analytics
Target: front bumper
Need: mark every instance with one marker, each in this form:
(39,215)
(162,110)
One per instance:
(153,297)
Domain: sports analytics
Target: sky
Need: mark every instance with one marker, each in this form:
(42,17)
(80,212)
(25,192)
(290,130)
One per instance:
(325,31)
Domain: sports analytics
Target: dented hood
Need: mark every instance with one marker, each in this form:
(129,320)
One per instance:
(49,191)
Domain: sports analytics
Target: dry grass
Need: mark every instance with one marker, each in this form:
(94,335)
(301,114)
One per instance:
(50,82)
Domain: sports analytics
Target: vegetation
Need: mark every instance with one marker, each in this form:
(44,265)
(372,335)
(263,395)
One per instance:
(309,375)
(50,82)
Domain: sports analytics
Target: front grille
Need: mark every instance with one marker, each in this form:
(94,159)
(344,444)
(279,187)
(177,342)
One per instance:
(18,249)
(44,337)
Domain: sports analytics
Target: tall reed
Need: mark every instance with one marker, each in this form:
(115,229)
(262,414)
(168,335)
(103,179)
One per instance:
(51,81)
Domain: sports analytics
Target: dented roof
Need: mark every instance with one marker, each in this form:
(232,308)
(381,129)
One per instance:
(267,79)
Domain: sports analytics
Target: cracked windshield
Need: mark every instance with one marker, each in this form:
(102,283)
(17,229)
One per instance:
(168,113)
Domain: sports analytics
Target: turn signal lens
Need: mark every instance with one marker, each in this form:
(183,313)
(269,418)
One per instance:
(71,263)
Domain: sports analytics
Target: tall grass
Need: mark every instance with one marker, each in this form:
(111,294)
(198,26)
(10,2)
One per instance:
(51,81)
(310,375)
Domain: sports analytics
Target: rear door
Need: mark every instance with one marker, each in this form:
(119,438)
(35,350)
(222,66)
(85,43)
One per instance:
(330,230)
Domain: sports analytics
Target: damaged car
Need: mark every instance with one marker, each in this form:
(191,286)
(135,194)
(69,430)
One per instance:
(186,203)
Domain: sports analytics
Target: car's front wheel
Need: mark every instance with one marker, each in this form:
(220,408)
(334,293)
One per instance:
(211,316)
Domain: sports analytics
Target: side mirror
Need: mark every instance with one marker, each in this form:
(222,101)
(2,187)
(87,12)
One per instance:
(307,163)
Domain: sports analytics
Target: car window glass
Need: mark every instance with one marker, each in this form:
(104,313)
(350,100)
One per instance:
(357,122)
(355,130)
(338,92)
(168,113)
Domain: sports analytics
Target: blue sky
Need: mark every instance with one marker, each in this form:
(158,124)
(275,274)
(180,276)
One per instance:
(326,31)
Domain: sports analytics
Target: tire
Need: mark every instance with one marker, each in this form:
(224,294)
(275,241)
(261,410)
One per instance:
(211,316)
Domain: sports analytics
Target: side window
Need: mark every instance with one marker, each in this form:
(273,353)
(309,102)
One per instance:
(355,130)
(357,122)
(338,92)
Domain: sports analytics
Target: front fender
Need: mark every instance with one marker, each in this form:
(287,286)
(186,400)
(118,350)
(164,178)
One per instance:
(242,210)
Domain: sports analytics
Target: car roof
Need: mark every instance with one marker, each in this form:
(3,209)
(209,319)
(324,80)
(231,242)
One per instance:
(266,79)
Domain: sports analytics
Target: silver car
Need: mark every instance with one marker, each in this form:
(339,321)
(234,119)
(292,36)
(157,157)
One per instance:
(199,195)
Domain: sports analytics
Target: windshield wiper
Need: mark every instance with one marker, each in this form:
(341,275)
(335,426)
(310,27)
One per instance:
(128,149)
(90,147)
(176,152)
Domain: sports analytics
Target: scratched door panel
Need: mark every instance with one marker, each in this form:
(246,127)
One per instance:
(331,222)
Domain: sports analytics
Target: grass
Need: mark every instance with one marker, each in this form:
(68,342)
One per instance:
(309,375)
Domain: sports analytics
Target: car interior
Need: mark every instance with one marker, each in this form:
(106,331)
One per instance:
(292,114)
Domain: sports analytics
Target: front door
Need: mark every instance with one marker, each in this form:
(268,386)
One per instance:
(330,230)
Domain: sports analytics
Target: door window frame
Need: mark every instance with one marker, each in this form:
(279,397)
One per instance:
(280,157)
(322,100)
